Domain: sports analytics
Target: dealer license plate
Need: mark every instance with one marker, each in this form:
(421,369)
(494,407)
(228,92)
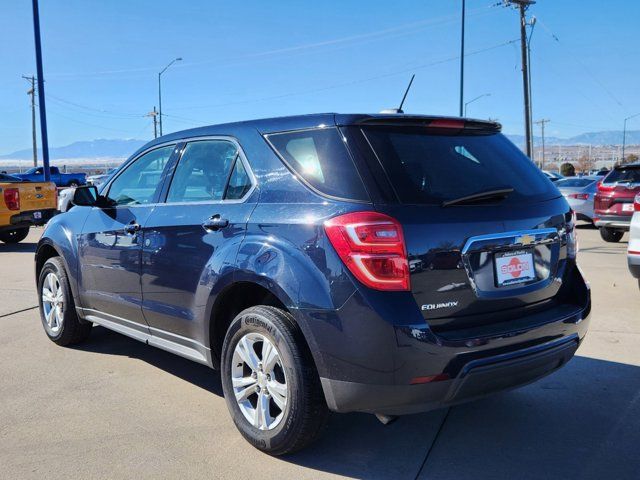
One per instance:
(514,267)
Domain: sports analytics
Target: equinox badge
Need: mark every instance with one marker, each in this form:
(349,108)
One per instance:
(435,306)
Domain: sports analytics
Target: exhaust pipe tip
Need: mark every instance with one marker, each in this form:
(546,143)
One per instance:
(386,419)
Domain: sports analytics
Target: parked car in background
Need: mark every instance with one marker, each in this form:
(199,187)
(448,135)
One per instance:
(99,179)
(633,250)
(553,176)
(36,174)
(579,192)
(6,178)
(613,205)
(23,204)
(64,199)
(279,251)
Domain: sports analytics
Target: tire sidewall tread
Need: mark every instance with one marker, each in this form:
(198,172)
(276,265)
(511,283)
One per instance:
(306,411)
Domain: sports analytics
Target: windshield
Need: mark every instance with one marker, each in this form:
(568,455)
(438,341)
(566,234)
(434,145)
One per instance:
(432,167)
(574,182)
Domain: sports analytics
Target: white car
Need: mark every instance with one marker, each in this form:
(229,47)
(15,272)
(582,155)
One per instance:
(64,199)
(633,250)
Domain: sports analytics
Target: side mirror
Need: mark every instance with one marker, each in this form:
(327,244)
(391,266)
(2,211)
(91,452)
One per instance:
(86,196)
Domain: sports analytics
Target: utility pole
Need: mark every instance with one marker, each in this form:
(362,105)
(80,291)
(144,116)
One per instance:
(523,5)
(32,92)
(154,114)
(41,102)
(542,123)
(462,59)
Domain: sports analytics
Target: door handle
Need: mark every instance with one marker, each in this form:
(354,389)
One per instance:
(131,228)
(215,223)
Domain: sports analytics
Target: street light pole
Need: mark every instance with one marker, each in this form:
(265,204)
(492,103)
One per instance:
(160,89)
(624,134)
(40,82)
(473,100)
(462,57)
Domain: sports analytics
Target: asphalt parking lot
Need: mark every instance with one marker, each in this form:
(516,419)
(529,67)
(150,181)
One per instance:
(116,408)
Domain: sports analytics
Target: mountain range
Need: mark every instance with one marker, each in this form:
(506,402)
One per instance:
(101,148)
(122,148)
(609,137)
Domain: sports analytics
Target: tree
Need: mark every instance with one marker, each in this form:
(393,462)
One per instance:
(631,158)
(584,164)
(567,169)
(552,167)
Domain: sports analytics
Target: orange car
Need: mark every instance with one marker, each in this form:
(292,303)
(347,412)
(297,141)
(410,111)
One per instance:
(23,204)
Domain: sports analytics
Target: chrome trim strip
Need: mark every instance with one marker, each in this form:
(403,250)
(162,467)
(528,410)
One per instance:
(514,234)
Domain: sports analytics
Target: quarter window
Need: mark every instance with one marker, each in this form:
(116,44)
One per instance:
(139,182)
(321,158)
(205,170)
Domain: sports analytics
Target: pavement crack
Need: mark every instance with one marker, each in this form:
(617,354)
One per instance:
(435,439)
(18,311)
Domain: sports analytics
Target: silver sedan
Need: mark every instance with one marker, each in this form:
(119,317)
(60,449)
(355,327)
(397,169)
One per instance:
(579,192)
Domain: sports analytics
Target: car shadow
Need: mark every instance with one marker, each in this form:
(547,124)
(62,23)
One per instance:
(581,422)
(23,247)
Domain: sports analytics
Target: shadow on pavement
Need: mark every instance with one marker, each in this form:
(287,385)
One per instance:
(581,422)
(23,247)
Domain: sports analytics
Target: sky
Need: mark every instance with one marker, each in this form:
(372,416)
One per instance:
(254,59)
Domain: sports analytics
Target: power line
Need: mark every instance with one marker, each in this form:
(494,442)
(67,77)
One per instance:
(352,82)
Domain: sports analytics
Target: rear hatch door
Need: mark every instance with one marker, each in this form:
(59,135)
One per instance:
(473,258)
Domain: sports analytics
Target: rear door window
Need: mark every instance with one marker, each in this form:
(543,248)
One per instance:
(320,158)
(432,167)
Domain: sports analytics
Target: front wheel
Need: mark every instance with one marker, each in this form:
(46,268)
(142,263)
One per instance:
(610,235)
(14,236)
(269,381)
(57,309)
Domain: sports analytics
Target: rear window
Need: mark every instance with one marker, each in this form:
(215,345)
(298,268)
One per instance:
(623,175)
(431,167)
(321,159)
(574,182)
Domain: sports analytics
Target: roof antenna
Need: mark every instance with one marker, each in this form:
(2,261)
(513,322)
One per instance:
(404,97)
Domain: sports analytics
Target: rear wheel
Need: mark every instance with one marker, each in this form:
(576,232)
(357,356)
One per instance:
(270,384)
(14,236)
(57,309)
(610,235)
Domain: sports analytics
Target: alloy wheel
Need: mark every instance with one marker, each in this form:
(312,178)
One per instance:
(53,303)
(259,381)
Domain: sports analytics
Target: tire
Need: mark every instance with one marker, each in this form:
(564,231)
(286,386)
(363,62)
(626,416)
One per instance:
(62,326)
(610,235)
(305,412)
(14,236)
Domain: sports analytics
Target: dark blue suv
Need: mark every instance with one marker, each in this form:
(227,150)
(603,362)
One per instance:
(388,264)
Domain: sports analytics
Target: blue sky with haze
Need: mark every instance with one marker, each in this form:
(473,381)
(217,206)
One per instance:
(256,59)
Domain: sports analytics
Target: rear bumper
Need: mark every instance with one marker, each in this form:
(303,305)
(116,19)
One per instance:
(476,379)
(28,219)
(634,264)
(369,367)
(619,222)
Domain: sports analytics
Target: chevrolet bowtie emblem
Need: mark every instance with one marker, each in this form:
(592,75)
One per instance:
(525,239)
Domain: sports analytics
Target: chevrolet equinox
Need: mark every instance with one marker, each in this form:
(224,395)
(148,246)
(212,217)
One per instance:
(388,264)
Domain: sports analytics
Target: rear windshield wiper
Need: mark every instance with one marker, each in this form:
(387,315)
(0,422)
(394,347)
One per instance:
(494,193)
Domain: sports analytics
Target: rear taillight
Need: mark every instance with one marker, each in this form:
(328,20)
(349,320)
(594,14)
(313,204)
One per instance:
(372,247)
(636,203)
(572,237)
(579,196)
(12,198)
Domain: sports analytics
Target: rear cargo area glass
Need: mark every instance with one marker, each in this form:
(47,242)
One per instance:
(427,167)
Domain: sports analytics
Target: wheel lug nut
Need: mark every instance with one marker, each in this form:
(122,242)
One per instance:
(268,377)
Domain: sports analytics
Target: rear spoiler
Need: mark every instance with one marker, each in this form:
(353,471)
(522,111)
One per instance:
(432,122)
